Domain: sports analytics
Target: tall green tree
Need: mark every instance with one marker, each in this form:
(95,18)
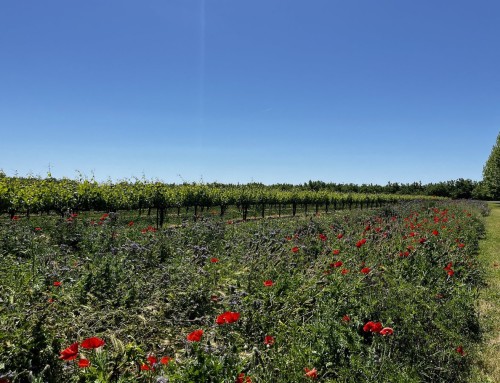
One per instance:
(491,172)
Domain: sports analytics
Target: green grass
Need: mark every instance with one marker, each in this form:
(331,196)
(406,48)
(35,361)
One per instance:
(488,368)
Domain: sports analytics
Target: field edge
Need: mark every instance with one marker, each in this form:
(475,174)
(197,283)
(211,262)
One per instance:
(487,367)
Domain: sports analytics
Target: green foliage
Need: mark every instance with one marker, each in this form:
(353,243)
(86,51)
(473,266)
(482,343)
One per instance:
(491,172)
(36,195)
(144,290)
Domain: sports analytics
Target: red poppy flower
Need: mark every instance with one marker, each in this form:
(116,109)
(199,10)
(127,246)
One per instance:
(360,243)
(435,232)
(422,240)
(346,318)
(57,283)
(15,218)
(145,367)
(295,249)
(69,353)
(461,245)
(269,340)
(152,359)
(386,331)
(336,252)
(372,327)
(166,360)
(38,229)
(83,363)
(242,378)
(365,270)
(338,264)
(313,374)
(288,238)
(344,271)
(214,260)
(131,223)
(451,273)
(368,326)
(377,327)
(322,237)
(340,236)
(195,336)
(93,342)
(448,266)
(148,229)
(227,317)
(460,350)
(268,283)
(104,216)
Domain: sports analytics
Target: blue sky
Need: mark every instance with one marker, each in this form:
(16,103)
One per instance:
(272,91)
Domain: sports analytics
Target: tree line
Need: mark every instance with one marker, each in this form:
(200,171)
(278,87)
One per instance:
(455,189)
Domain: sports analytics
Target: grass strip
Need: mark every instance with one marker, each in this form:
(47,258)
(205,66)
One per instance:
(488,367)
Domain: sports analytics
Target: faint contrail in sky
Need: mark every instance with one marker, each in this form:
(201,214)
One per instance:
(202,71)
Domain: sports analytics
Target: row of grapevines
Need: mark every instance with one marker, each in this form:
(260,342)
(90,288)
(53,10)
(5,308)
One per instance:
(36,195)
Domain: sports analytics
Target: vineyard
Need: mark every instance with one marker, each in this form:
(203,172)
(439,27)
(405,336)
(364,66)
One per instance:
(34,195)
(379,294)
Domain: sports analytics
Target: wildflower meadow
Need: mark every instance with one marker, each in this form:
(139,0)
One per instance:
(387,294)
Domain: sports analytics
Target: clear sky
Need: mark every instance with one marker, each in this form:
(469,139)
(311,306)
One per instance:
(272,91)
